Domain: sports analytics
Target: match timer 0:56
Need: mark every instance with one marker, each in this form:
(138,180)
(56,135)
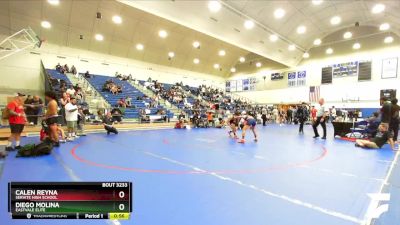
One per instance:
(118,216)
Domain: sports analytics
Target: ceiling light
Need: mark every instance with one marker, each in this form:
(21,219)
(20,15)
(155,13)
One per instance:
(258,64)
(279,13)
(216,66)
(347,35)
(214,6)
(317,2)
(301,29)
(388,39)
(171,54)
(46,24)
(117,19)
(221,52)
(357,46)
(273,38)
(336,20)
(384,26)
(53,2)
(233,70)
(306,55)
(139,47)
(317,41)
(378,8)
(196,44)
(248,24)
(162,33)
(292,47)
(242,59)
(196,61)
(99,37)
(329,51)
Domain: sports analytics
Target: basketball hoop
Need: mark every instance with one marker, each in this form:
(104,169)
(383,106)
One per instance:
(19,41)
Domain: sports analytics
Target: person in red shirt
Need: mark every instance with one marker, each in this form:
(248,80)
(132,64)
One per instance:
(17,119)
(313,113)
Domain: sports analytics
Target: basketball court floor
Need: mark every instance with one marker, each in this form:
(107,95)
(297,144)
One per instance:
(200,176)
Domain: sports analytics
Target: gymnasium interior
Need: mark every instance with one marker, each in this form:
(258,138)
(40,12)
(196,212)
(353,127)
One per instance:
(212,112)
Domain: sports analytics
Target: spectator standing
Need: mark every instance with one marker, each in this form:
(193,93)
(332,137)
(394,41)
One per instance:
(386,110)
(73,70)
(333,113)
(264,115)
(33,108)
(64,100)
(17,119)
(394,122)
(81,122)
(71,115)
(301,115)
(313,113)
(275,115)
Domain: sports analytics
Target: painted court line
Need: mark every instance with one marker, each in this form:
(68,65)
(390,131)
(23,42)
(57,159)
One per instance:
(206,140)
(328,171)
(264,191)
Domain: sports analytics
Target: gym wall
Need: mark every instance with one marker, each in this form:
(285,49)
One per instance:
(348,87)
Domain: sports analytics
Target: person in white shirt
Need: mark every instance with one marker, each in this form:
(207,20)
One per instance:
(264,115)
(333,113)
(275,115)
(322,114)
(71,91)
(71,116)
(148,111)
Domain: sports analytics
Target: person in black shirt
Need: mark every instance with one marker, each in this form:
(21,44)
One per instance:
(108,123)
(33,107)
(301,115)
(117,115)
(181,116)
(289,114)
(386,110)
(394,121)
(381,138)
(87,74)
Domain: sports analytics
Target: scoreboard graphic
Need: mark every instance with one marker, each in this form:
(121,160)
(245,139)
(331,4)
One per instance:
(70,200)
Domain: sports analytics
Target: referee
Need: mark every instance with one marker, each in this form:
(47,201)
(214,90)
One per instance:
(321,118)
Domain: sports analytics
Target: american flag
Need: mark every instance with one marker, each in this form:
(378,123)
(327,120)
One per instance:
(314,93)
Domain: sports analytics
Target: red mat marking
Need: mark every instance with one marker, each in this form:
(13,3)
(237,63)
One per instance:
(352,139)
(244,171)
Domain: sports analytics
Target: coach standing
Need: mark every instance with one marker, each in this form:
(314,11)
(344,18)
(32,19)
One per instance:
(322,113)
(17,121)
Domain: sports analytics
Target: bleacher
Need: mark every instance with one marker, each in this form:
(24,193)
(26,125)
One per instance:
(59,76)
(190,99)
(98,81)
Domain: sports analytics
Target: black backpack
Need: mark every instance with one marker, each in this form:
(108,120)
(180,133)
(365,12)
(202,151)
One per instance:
(29,150)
